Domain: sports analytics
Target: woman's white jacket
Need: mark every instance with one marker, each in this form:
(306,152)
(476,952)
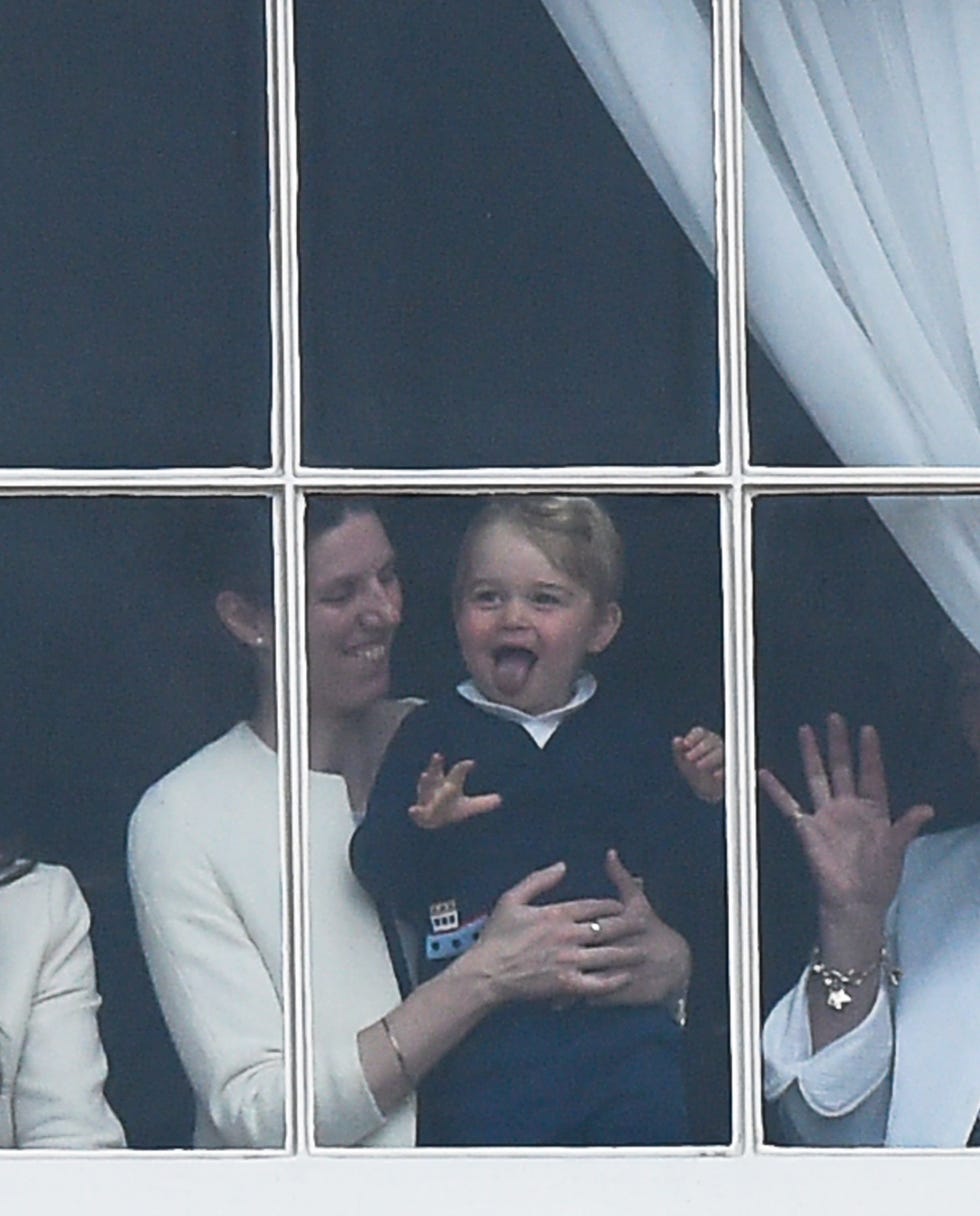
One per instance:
(909,1075)
(52,1066)
(205,858)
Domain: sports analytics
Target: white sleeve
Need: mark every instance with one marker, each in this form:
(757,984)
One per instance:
(217,996)
(838,1095)
(353,984)
(57,1099)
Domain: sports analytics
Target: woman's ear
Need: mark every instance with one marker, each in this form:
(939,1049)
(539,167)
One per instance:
(251,626)
(608,620)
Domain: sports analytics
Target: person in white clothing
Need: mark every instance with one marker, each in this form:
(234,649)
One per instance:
(879,1042)
(52,1066)
(204,873)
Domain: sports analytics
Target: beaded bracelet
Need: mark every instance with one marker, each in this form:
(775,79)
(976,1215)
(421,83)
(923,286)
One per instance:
(838,984)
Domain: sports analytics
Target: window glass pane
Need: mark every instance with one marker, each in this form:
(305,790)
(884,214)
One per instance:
(489,276)
(116,670)
(781,430)
(605,777)
(845,624)
(861,214)
(135,287)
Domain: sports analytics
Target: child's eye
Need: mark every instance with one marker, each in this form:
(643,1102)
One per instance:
(387,576)
(546,599)
(484,596)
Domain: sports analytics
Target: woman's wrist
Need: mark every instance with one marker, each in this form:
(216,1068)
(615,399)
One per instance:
(679,981)
(675,1002)
(850,938)
(400,1048)
(480,983)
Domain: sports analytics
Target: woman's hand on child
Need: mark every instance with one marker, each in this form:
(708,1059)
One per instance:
(440,797)
(606,951)
(700,759)
(531,951)
(656,956)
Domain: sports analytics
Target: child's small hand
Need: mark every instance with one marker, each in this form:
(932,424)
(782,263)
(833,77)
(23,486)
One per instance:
(700,759)
(441,800)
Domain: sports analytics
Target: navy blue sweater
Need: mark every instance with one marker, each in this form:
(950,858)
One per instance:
(604,779)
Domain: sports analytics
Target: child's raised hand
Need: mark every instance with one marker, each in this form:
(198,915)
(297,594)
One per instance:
(700,759)
(441,800)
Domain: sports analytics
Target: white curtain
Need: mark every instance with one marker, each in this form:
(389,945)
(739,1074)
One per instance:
(862,163)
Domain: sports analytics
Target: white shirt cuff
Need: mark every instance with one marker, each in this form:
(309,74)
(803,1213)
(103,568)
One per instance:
(839,1077)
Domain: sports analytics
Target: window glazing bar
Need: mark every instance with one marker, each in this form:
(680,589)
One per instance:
(736,549)
(285,433)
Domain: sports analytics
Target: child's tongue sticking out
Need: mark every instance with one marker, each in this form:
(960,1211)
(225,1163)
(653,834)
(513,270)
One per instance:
(512,667)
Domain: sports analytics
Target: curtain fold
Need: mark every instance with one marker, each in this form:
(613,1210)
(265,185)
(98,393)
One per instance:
(862,165)
(651,66)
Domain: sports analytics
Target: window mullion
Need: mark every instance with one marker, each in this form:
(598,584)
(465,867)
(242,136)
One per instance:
(285,431)
(736,558)
(283,235)
(729,239)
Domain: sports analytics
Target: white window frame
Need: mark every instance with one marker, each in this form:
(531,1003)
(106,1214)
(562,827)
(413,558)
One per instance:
(484,1181)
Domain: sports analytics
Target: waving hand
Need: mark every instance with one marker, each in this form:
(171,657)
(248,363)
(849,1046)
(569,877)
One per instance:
(440,799)
(854,849)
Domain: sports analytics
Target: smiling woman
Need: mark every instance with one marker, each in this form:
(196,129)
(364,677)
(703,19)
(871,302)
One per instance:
(355,605)
(204,844)
(353,612)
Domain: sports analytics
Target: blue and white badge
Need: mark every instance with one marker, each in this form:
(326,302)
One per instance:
(448,937)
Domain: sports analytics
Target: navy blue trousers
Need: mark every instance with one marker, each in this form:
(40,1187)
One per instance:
(575,1078)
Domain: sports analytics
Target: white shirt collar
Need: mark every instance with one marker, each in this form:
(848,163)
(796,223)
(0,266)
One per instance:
(539,726)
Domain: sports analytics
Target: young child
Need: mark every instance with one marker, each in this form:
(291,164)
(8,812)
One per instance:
(557,770)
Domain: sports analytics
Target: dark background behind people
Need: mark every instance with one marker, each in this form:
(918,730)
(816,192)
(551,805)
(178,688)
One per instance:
(489,278)
(115,669)
(134,299)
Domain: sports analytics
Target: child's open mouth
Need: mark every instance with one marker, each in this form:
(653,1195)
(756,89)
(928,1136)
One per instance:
(512,665)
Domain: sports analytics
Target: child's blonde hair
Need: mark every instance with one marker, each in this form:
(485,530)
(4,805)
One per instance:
(573,532)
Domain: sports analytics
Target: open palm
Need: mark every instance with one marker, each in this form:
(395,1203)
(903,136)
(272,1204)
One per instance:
(854,849)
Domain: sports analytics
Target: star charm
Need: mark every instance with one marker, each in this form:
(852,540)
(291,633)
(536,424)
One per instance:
(838,998)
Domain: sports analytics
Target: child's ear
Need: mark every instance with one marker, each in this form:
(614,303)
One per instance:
(608,620)
(245,622)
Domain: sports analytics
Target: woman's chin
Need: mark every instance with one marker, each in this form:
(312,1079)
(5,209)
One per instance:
(354,699)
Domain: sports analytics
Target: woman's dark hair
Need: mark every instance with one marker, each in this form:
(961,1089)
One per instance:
(13,868)
(323,513)
(16,841)
(241,540)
